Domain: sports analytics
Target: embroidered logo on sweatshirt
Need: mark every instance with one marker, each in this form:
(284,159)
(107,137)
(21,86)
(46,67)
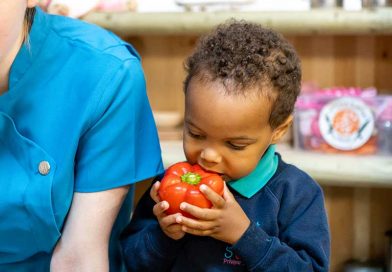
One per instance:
(230,258)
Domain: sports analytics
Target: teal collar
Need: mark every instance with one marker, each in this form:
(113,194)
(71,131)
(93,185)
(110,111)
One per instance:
(265,169)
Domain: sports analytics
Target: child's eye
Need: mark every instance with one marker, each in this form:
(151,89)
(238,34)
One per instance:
(236,146)
(194,135)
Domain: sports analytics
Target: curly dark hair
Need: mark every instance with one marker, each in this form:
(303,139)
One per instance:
(243,55)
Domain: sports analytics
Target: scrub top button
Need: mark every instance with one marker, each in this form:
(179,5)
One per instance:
(44,168)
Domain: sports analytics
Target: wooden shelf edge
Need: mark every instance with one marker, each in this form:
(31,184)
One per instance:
(327,169)
(314,22)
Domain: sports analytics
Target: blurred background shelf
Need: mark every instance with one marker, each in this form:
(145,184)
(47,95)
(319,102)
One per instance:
(327,169)
(316,21)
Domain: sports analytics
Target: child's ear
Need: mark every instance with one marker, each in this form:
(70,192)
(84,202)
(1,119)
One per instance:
(281,130)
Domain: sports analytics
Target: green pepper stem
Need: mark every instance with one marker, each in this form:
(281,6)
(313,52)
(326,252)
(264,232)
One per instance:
(191,178)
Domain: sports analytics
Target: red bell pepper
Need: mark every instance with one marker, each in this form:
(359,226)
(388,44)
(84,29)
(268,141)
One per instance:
(181,183)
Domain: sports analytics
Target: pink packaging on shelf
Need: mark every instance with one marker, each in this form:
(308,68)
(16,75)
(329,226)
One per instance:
(343,120)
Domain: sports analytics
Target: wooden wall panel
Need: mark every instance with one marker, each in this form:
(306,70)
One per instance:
(381,221)
(383,63)
(342,60)
(316,60)
(365,60)
(339,205)
(358,218)
(163,58)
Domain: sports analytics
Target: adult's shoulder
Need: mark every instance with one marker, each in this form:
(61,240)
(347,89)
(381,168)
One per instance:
(85,36)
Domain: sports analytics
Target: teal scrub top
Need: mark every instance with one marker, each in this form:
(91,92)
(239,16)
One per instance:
(76,118)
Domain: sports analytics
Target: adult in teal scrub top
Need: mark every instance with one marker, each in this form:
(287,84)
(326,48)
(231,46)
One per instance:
(76,131)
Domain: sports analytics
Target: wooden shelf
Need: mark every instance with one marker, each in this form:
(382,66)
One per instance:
(317,21)
(327,169)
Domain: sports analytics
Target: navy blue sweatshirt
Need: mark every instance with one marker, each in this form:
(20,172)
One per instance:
(288,232)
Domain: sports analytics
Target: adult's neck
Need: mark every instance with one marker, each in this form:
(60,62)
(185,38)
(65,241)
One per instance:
(6,62)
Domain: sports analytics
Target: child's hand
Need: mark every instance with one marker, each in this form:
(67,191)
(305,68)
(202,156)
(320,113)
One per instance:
(167,222)
(225,221)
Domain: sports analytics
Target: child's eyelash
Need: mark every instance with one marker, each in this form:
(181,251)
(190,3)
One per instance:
(236,147)
(193,135)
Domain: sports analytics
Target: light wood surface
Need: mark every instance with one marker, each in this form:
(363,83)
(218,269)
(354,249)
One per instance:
(317,21)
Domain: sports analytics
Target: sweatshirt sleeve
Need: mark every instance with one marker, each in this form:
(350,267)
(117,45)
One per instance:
(303,242)
(145,246)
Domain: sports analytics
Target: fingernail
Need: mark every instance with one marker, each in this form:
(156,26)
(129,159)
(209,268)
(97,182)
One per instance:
(182,206)
(163,205)
(203,187)
(178,219)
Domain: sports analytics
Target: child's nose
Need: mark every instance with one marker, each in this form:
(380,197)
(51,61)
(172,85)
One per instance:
(210,155)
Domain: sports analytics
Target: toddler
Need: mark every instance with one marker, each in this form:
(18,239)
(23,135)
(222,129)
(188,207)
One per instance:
(241,86)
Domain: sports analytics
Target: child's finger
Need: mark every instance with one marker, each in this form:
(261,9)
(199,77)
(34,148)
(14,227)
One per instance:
(200,213)
(174,228)
(197,227)
(168,220)
(196,231)
(227,195)
(160,208)
(154,191)
(216,200)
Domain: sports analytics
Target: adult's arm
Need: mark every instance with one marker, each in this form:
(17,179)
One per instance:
(119,147)
(84,244)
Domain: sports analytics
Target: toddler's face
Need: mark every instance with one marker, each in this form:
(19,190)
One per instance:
(227,134)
